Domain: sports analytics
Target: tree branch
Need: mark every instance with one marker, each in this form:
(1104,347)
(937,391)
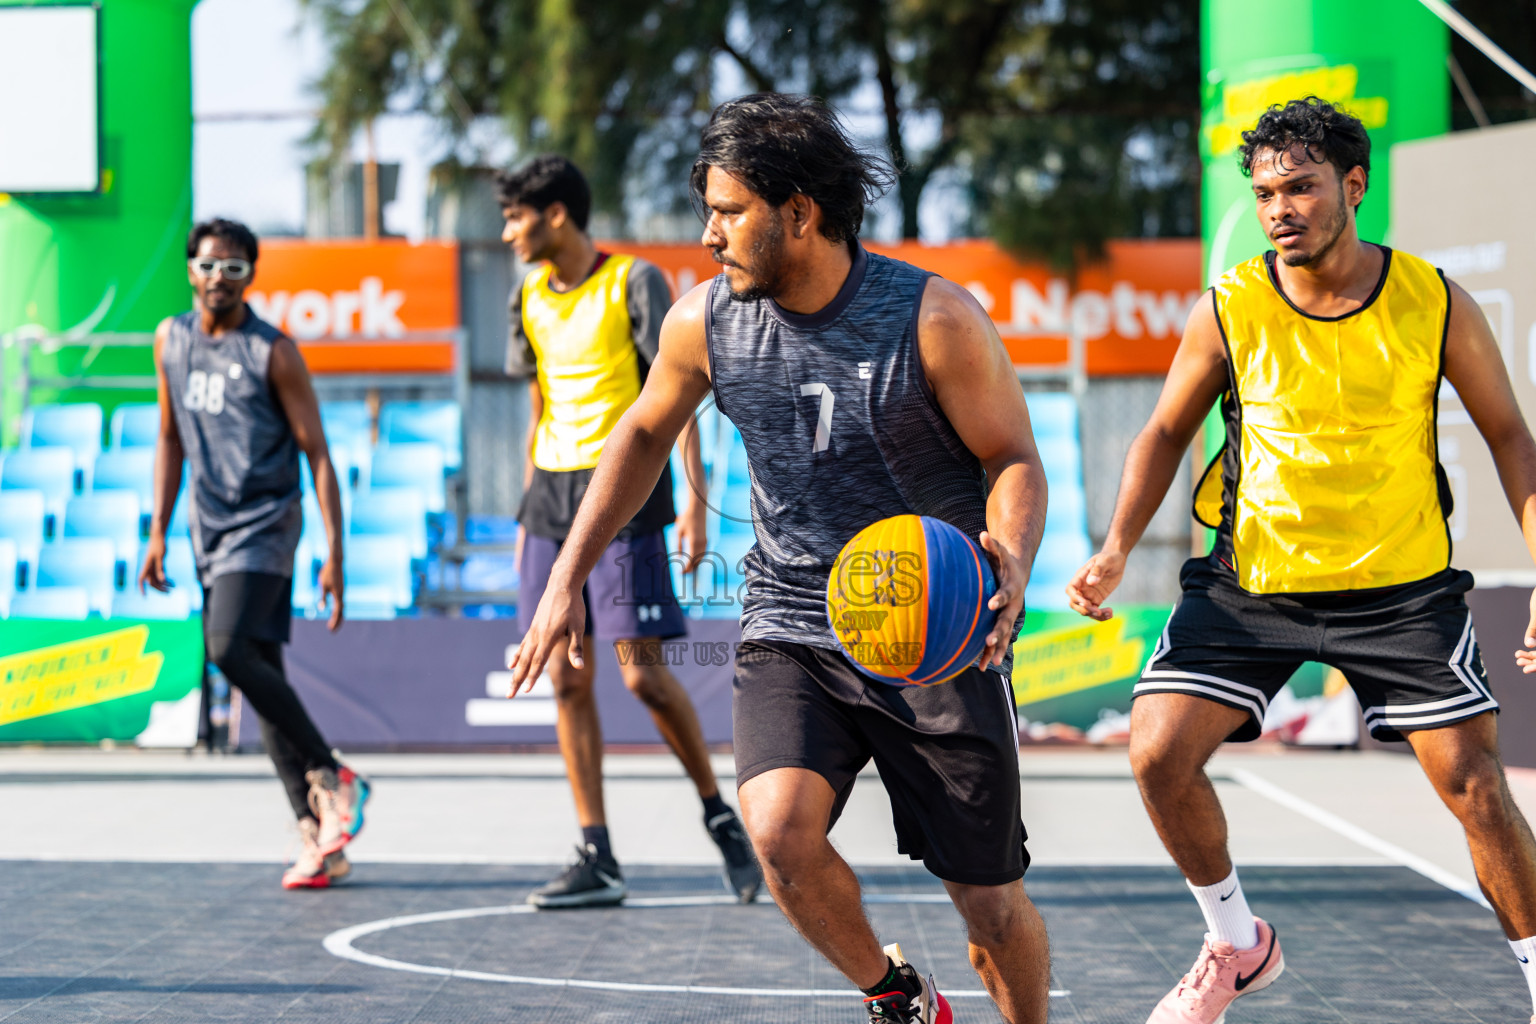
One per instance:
(761,81)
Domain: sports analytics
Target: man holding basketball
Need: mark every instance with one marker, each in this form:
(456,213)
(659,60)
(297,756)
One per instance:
(864,388)
(1330,507)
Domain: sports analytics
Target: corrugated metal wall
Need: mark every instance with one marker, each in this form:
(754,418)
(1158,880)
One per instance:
(1112,412)
(497,417)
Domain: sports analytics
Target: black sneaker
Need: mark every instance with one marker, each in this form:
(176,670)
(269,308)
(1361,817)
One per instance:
(912,1001)
(593,881)
(742,874)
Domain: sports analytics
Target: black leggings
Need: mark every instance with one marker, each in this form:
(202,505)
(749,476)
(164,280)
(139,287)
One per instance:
(295,745)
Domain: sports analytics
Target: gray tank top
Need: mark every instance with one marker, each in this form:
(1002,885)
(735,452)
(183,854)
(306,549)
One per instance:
(242,459)
(841,429)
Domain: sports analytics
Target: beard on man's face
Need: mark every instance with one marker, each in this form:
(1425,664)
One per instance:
(765,271)
(1333,229)
(220,298)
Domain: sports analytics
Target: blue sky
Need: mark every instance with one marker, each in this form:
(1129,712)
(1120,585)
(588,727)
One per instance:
(254,169)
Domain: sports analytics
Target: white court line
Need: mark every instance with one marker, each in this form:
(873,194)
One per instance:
(1355,833)
(339,944)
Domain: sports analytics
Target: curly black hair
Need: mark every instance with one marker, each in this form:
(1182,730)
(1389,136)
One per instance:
(546,180)
(1328,134)
(782,145)
(231,231)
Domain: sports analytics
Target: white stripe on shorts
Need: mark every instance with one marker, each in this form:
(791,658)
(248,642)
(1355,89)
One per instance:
(1446,710)
(1191,682)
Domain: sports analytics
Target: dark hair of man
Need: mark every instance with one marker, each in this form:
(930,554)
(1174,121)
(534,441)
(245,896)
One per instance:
(544,181)
(1329,136)
(231,232)
(779,146)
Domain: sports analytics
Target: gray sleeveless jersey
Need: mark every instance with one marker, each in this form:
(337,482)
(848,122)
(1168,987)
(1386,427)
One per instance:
(243,462)
(841,430)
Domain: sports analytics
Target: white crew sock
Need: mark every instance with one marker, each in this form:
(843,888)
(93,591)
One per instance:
(1227,917)
(1525,952)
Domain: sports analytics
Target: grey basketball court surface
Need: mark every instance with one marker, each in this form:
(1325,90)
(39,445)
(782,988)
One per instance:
(141,886)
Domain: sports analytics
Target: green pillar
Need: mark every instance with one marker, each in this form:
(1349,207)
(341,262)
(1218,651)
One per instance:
(1382,60)
(113,261)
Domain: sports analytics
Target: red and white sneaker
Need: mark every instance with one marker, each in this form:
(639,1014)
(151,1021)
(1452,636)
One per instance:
(313,869)
(337,797)
(900,1007)
(1220,975)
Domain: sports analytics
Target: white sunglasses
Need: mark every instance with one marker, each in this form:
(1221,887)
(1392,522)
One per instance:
(232,269)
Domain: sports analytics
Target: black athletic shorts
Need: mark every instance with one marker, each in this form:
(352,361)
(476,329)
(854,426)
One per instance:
(948,754)
(254,604)
(1409,651)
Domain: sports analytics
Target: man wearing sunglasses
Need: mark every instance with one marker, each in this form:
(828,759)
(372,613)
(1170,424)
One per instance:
(237,405)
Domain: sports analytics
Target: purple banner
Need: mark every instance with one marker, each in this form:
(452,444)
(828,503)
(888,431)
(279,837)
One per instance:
(438,683)
(1501,615)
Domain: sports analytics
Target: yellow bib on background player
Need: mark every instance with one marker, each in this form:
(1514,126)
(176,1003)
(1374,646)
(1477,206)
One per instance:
(1330,479)
(588,368)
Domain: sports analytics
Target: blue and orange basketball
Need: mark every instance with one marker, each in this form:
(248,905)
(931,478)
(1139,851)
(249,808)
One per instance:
(907,600)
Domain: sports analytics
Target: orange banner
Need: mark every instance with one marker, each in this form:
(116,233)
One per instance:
(344,301)
(362,307)
(1130,308)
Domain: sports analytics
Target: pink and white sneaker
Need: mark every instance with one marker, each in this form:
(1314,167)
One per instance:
(1220,975)
(900,1006)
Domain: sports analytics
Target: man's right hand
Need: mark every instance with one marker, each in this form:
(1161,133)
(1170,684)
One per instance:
(152,572)
(561,615)
(1093,584)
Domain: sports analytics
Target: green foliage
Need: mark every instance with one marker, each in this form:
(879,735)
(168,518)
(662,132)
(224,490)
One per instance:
(1071,121)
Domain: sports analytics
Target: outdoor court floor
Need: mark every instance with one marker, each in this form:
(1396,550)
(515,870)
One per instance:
(143,887)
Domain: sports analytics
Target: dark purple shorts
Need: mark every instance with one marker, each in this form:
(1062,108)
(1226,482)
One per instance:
(628,595)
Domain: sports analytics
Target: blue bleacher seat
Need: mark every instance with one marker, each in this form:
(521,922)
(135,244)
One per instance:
(1061,457)
(1067,507)
(305,593)
(378,576)
(313,540)
(341,461)
(7,574)
(21,523)
(135,425)
(88,562)
(52,603)
(439,423)
(1052,414)
(181,570)
(347,423)
(50,470)
(1059,558)
(390,512)
(346,417)
(127,469)
(708,418)
(181,524)
(730,490)
(151,604)
(113,515)
(416,464)
(76,426)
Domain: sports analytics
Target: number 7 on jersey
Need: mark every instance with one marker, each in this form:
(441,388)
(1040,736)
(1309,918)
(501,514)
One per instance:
(823,415)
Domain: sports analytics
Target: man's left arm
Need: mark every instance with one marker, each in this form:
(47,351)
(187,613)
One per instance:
(976,386)
(296,395)
(649,298)
(1475,367)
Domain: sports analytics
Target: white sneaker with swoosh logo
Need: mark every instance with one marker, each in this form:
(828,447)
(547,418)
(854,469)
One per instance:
(1220,975)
